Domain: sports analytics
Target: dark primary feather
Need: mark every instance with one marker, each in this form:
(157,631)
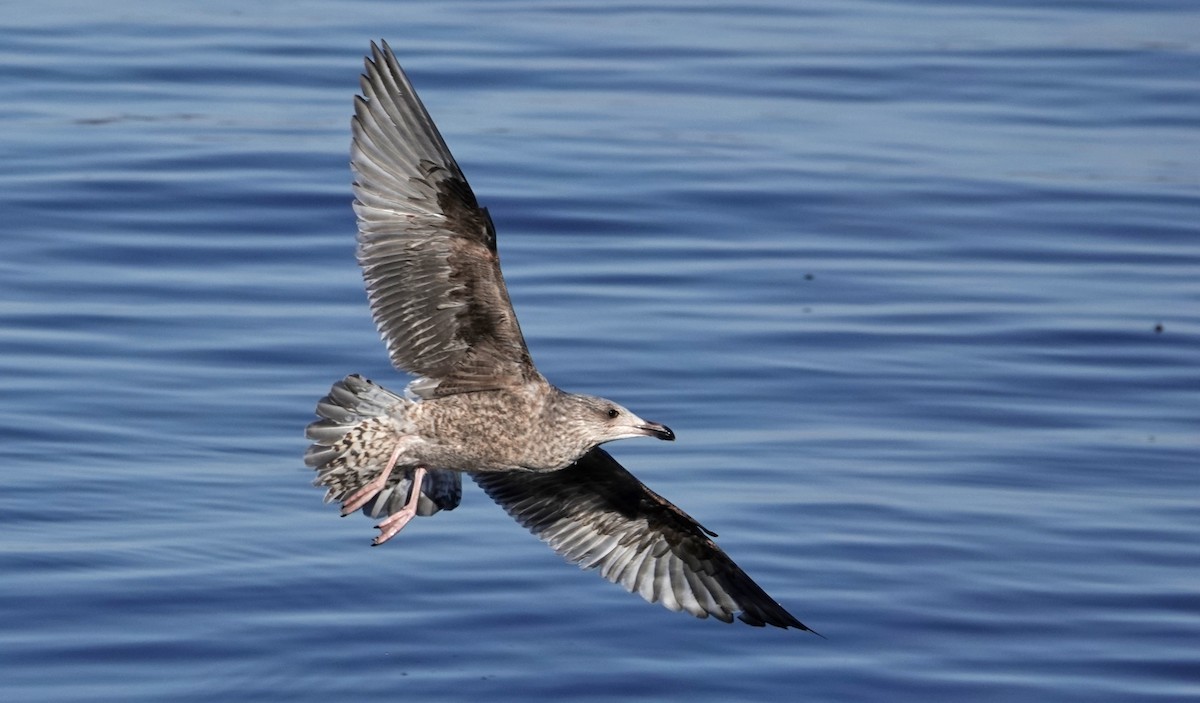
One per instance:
(427,250)
(598,515)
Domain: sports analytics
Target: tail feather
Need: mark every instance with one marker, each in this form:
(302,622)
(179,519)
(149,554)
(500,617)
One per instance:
(360,422)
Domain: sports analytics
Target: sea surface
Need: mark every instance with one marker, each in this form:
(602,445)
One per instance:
(917,284)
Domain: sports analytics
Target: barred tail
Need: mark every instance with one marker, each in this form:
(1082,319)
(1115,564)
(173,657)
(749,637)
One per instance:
(352,442)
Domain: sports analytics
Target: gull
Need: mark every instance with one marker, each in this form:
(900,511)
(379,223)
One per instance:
(478,405)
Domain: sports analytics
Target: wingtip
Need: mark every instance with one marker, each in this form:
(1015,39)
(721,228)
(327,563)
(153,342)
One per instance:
(796,624)
(780,618)
(793,623)
(381,55)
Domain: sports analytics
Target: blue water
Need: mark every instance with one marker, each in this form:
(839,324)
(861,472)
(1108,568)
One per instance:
(892,271)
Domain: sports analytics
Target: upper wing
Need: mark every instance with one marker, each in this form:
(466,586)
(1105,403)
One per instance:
(427,250)
(598,515)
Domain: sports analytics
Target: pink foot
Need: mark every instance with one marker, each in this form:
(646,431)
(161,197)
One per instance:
(360,497)
(395,522)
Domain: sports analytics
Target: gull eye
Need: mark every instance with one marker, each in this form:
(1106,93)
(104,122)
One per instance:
(613,413)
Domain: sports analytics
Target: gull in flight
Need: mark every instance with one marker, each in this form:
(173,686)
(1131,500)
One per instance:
(479,405)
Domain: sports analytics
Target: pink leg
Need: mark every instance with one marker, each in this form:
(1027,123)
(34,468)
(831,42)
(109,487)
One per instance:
(395,522)
(360,497)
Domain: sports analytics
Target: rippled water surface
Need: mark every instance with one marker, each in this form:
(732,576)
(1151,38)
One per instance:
(916,283)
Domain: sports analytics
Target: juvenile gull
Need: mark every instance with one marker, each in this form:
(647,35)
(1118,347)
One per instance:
(478,404)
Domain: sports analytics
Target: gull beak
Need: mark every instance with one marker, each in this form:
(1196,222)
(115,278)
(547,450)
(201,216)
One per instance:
(654,429)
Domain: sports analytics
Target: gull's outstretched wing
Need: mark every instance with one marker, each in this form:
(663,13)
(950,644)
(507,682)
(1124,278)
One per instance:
(427,250)
(596,514)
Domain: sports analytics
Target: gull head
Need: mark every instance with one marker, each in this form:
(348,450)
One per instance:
(597,420)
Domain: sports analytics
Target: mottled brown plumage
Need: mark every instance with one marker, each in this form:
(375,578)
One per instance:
(479,405)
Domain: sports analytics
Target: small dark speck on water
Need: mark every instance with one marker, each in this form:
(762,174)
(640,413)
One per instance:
(1158,328)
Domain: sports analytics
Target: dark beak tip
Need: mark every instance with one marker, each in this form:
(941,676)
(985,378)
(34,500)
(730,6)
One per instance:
(659,431)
